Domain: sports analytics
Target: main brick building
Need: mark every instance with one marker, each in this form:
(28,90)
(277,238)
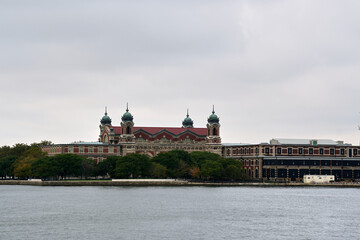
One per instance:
(280,159)
(127,138)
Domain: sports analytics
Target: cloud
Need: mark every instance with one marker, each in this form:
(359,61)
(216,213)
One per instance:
(272,69)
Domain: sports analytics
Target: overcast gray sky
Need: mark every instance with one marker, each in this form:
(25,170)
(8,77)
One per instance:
(272,69)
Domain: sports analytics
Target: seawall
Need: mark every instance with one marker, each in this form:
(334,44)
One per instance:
(161,182)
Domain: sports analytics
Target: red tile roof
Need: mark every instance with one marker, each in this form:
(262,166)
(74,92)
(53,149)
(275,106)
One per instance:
(173,130)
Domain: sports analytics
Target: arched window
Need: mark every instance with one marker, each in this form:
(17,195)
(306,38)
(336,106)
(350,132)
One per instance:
(128,130)
(106,138)
(214,132)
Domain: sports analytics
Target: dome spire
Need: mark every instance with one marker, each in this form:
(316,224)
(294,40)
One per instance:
(188,122)
(105,120)
(127,117)
(213,118)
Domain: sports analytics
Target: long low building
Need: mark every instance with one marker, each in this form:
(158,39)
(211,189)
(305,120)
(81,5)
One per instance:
(280,159)
(291,159)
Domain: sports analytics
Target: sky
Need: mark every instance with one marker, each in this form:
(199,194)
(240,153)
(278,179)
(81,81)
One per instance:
(272,69)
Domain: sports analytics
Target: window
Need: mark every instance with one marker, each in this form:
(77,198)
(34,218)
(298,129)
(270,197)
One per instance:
(355,151)
(267,150)
(100,150)
(237,151)
(81,149)
(214,132)
(257,150)
(311,151)
(300,151)
(70,149)
(111,149)
(342,151)
(332,151)
(91,149)
(289,150)
(278,150)
(321,151)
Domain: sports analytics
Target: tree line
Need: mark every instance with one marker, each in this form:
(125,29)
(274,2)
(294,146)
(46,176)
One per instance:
(23,161)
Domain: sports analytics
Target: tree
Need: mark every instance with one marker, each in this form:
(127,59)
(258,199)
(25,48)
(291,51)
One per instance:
(44,168)
(19,149)
(133,166)
(5,151)
(158,171)
(107,167)
(69,165)
(177,162)
(22,165)
(6,166)
(87,167)
(199,158)
(212,170)
(194,172)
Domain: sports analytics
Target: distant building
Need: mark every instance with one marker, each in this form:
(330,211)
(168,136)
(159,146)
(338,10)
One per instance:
(127,138)
(291,159)
(280,159)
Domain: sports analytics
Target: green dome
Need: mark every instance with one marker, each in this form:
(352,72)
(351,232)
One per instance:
(105,119)
(188,122)
(213,118)
(127,117)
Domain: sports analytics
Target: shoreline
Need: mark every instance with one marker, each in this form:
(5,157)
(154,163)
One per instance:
(170,183)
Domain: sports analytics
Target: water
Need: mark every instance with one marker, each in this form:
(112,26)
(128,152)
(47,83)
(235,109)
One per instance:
(31,212)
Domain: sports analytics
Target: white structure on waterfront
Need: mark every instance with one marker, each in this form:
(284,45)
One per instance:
(318,178)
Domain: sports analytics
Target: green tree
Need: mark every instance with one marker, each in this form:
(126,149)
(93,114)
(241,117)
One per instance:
(212,170)
(19,149)
(5,151)
(107,167)
(45,168)
(133,166)
(88,168)
(22,165)
(233,168)
(177,162)
(199,158)
(6,166)
(69,165)
(158,171)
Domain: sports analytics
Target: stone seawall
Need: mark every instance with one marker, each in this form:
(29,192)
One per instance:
(162,182)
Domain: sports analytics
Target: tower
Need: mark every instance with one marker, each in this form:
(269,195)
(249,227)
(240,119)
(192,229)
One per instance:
(127,136)
(188,122)
(213,127)
(105,124)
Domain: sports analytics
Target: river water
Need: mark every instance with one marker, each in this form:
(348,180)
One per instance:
(35,212)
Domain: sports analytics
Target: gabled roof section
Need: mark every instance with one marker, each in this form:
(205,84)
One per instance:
(173,130)
(176,131)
